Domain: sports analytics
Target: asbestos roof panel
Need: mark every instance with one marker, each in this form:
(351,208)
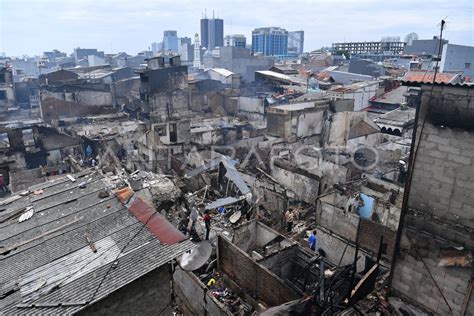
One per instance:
(233,175)
(348,77)
(395,96)
(274,75)
(53,243)
(398,117)
(222,71)
(222,202)
(151,255)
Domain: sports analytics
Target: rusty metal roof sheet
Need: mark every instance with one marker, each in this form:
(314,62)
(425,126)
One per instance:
(155,222)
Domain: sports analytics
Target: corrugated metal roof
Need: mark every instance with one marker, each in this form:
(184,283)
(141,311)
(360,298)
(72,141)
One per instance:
(155,222)
(418,83)
(222,71)
(57,232)
(425,76)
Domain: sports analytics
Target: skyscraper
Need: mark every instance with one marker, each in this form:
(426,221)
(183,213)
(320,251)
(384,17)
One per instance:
(236,40)
(212,32)
(270,41)
(156,47)
(170,41)
(296,42)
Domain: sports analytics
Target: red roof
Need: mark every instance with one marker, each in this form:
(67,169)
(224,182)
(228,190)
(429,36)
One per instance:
(423,76)
(155,222)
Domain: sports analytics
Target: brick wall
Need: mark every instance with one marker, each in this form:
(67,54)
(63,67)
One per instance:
(256,280)
(412,280)
(192,296)
(441,205)
(370,233)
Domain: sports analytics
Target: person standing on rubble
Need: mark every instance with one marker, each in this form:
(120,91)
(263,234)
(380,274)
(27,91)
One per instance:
(289,217)
(312,241)
(207,221)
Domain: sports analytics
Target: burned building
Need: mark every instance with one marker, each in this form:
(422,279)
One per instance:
(32,152)
(7,91)
(433,266)
(163,87)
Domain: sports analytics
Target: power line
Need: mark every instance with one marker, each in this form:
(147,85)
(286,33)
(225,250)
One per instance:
(121,251)
(413,153)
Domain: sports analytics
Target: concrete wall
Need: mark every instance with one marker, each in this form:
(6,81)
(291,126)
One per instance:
(455,58)
(304,185)
(271,195)
(253,278)
(23,179)
(417,276)
(254,234)
(334,246)
(336,219)
(53,108)
(90,97)
(309,123)
(192,296)
(371,140)
(148,295)
(442,180)
(345,224)
(239,61)
(9,100)
(440,202)
(251,107)
(361,95)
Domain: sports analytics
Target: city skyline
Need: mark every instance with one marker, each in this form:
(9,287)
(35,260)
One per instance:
(132,27)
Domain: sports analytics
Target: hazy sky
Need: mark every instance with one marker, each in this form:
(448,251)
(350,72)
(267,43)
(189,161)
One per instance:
(33,26)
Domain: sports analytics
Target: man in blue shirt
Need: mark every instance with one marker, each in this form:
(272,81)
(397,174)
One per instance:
(312,240)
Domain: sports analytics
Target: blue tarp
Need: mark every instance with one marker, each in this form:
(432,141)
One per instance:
(367,209)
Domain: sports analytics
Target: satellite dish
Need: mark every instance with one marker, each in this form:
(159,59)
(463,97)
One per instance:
(196,257)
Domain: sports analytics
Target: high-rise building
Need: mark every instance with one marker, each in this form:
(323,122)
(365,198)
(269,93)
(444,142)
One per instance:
(370,47)
(186,49)
(410,38)
(296,42)
(170,41)
(156,47)
(212,32)
(270,41)
(236,40)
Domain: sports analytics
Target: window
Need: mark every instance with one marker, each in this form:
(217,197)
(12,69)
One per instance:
(467,65)
(3,95)
(160,130)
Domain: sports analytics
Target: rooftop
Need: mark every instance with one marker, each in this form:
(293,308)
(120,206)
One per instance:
(426,76)
(52,265)
(399,117)
(222,71)
(395,96)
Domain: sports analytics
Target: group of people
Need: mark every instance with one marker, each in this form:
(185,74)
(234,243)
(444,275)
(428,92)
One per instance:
(188,223)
